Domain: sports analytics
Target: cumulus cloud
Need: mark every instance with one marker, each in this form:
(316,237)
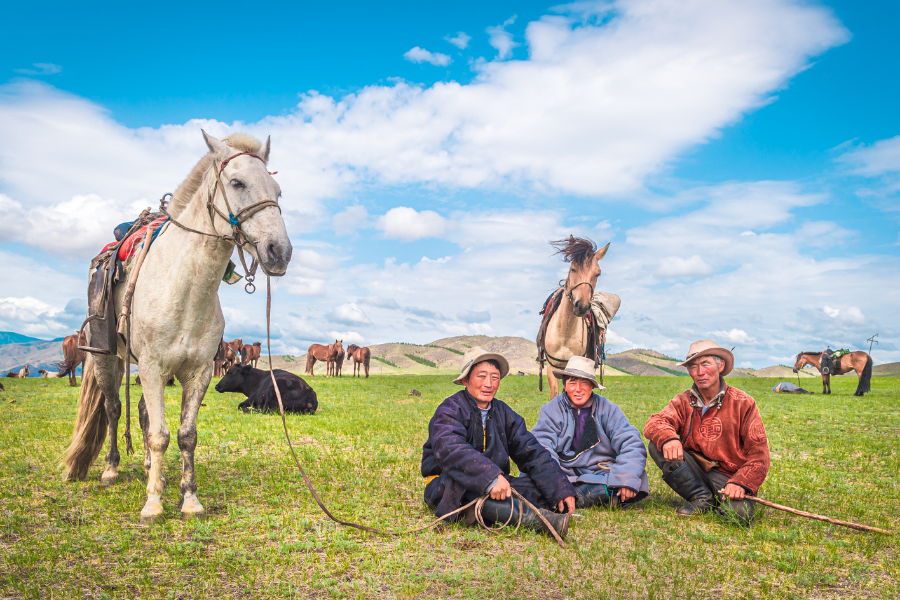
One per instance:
(420,55)
(347,337)
(408,224)
(380,302)
(738,336)
(349,220)
(349,314)
(460,40)
(502,40)
(851,314)
(675,267)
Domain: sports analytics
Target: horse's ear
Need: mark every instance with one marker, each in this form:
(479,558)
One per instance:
(215,146)
(264,151)
(598,256)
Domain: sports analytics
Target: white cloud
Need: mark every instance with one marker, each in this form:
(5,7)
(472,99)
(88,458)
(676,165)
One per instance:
(502,40)
(420,55)
(349,220)
(851,314)
(738,336)
(474,316)
(460,40)
(875,159)
(349,314)
(408,224)
(347,337)
(41,69)
(675,267)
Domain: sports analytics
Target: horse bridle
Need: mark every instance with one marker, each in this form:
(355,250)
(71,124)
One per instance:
(237,237)
(569,292)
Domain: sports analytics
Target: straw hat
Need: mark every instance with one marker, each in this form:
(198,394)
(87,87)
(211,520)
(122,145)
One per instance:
(709,348)
(475,355)
(580,367)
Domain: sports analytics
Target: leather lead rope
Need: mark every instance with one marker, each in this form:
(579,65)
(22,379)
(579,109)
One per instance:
(478,502)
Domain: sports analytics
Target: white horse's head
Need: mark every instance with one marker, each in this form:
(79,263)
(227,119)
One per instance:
(247,181)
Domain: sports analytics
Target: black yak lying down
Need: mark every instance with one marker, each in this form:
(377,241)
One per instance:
(256,384)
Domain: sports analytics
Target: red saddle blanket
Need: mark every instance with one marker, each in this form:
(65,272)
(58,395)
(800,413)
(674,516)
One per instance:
(131,244)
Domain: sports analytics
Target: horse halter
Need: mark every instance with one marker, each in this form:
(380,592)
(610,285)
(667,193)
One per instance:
(568,292)
(238,237)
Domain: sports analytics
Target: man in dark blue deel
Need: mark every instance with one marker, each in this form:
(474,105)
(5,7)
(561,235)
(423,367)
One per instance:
(471,439)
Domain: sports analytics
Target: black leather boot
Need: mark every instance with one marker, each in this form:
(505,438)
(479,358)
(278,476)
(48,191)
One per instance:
(591,494)
(690,487)
(499,511)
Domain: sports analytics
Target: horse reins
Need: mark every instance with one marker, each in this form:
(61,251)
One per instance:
(237,237)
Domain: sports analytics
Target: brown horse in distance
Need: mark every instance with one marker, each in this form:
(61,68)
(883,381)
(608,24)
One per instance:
(250,353)
(72,356)
(219,360)
(319,352)
(858,361)
(360,357)
(337,358)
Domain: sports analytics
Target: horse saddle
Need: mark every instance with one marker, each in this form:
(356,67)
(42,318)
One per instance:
(827,363)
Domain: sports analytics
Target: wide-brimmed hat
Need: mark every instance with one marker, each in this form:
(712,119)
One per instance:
(709,348)
(475,355)
(580,367)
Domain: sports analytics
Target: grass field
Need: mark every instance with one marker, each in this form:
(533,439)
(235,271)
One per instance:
(265,538)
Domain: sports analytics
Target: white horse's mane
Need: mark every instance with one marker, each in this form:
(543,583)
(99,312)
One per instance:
(241,142)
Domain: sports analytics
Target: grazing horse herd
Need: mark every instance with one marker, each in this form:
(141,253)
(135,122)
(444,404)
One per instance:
(333,356)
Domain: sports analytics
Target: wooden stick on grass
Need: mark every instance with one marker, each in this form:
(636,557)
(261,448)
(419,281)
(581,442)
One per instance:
(810,515)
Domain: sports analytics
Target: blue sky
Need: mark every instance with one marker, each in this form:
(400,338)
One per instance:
(741,159)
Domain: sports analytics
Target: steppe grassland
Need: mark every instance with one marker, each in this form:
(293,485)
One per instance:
(265,538)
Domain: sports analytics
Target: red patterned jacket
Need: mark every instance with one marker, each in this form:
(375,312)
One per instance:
(730,432)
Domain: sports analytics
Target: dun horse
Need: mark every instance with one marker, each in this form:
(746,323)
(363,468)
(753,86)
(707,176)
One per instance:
(360,358)
(858,361)
(568,332)
(176,321)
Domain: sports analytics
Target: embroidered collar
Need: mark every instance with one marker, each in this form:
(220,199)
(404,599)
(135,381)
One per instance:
(697,399)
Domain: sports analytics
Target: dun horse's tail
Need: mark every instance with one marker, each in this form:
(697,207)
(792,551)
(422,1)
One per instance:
(865,380)
(90,427)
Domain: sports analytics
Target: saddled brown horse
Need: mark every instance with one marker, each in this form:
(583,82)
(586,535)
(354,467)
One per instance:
(22,374)
(858,361)
(319,352)
(250,354)
(568,332)
(360,358)
(72,357)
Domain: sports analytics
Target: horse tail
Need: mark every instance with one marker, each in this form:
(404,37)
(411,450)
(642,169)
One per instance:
(865,380)
(367,358)
(309,359)
(90,427)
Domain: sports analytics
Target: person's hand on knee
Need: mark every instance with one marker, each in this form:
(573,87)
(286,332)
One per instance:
(673,450)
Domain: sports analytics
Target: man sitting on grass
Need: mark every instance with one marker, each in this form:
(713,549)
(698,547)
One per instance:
(598,449)
(709,441)
(471,439)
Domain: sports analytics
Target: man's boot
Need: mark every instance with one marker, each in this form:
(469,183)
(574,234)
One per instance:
(593,494)
(690,487)
(501,511)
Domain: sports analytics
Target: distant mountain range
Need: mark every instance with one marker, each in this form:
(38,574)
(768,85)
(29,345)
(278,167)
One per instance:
(440,356)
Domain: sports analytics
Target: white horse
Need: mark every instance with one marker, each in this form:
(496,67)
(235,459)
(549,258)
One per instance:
(176,318)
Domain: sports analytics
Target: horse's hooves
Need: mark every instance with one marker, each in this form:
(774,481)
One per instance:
(191,507)
(152,510)
(109,478)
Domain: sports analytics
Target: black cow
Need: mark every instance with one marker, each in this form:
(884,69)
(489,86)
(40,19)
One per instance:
(256,384)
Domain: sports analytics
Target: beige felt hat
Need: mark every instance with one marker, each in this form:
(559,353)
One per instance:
(709,348)
(475,355)
(580,367)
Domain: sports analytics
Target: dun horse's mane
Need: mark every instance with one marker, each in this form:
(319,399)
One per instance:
(578,251)
(241,142)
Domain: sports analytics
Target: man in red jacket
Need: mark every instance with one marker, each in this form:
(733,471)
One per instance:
(710,438)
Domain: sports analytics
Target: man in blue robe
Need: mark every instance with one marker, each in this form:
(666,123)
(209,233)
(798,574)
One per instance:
(592,440)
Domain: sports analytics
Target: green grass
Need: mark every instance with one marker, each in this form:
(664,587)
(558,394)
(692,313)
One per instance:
(265,538)
(421,361)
